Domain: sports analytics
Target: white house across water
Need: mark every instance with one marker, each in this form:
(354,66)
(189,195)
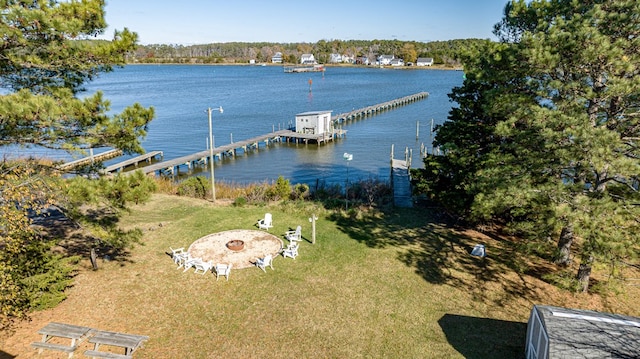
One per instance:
(314,123)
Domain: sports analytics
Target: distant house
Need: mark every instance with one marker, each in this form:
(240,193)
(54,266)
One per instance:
(335,58)
(348,59)
(397,62)
(307,59)
(363,60)
(314,122)
(555,332)
(277,58)
(385,59)
(424,61)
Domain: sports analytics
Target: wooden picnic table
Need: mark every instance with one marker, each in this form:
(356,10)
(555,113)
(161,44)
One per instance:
(61,330)
(130,342)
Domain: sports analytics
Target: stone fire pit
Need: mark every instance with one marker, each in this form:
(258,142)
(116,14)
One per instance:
(239,247)
(235,245)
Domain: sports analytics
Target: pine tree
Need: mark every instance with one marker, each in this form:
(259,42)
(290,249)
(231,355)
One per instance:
(46,55)
(556,114)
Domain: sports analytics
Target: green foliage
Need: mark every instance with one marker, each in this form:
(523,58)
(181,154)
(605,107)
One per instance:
(240,202)
(31,276)
(98,204)
(546,130)
(46,287)
(300,191)
(196,187)
(281,189)
(45,60)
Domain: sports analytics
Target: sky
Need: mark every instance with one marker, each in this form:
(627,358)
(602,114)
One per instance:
(190,22)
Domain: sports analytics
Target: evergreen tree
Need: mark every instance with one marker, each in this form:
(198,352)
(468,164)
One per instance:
(46,55)
(563,133)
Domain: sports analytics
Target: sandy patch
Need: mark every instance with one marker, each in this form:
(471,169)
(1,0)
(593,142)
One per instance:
(257,244)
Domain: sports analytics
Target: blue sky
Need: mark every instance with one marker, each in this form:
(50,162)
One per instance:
(285,21)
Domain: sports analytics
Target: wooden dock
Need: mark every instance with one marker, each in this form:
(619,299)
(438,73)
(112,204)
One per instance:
(201,158)
(135,161)
(172,167)
(376,109)
(401,180)
(88,160)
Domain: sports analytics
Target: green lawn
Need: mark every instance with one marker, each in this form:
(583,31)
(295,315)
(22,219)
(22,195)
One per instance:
(374,285)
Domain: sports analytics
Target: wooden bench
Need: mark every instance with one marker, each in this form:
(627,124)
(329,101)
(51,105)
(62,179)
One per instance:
(51,346)
(99,354)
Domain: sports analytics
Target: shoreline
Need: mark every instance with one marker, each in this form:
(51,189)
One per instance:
(435,67)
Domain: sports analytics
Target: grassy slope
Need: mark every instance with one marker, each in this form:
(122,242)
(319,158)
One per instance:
(395,285)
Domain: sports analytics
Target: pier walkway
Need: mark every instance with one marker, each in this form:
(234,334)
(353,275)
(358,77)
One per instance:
(67,166)
(401,180)
(401,183)
(201,158)
(135,161)
(172,167)
(376,109)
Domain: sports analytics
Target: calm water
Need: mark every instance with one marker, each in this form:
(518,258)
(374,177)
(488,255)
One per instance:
(257,99)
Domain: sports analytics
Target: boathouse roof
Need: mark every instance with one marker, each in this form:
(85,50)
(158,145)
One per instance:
(311,113)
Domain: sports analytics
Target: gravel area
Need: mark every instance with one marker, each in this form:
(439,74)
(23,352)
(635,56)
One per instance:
(257,244)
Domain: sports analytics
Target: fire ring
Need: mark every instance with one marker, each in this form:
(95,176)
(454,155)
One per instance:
(235,245)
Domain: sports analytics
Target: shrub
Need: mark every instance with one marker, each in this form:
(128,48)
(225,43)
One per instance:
(300,191)
(280,190)
(194,187)
(240,201)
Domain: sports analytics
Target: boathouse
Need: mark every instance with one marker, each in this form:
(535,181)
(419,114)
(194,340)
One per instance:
(314,122)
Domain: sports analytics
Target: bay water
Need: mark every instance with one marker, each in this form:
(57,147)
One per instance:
(259,99)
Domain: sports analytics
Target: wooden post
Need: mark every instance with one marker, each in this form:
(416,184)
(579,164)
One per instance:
(94,259)
(431,136)
(313,219)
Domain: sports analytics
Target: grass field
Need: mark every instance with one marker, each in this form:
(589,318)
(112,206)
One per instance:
(374,285)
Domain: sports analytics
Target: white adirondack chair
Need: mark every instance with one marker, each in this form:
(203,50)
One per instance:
(266,222)
(181,259)
(223,269)
(176,254)
(294,236)
(262,263)
(202,267)
(291,251)
(189,262)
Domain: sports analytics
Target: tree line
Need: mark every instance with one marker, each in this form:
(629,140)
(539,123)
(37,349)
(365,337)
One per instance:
(445,53)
